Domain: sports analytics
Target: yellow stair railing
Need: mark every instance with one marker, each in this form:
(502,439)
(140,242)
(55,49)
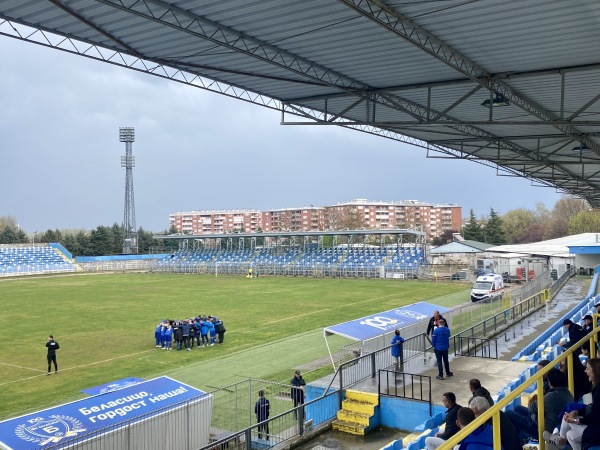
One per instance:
(493,412)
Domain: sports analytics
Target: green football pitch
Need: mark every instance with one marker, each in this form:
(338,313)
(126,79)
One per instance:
(105,327)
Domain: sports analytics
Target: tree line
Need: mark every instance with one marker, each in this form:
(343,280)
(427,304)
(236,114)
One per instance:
(101,241)
(570,215)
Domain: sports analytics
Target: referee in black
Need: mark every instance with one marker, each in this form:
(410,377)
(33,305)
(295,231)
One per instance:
(52,346)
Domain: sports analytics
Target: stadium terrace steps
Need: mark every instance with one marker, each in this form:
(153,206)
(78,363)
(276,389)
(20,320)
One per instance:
(358,414)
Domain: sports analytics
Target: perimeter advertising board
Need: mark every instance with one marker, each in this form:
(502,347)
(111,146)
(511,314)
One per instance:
(149,412)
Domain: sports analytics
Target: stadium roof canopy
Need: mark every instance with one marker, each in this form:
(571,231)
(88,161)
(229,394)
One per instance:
(512,85)
(292,234)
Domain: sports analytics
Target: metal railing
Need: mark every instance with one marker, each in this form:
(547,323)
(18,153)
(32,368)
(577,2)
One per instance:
(366,366)
(494,411)
(281,428)
(501,321)
(405,385)
(476,347)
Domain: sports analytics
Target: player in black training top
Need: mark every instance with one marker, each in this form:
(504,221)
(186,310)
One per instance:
(52,346)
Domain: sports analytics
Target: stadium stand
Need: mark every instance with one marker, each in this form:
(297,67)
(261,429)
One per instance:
(363,261)
(543,347)
(18,260)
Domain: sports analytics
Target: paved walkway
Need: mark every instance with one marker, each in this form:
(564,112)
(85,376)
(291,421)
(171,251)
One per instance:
(495,374)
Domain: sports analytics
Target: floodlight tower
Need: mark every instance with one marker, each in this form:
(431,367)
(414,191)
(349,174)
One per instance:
(130,241)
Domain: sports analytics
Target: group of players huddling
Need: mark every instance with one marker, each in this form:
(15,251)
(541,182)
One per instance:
(204,330)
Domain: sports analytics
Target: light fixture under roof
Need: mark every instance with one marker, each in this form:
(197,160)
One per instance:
(582,148)
(499,100)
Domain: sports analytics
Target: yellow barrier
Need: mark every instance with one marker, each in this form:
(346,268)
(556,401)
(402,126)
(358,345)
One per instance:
(493,411)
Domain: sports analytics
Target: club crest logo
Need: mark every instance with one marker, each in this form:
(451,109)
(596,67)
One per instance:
(51,430)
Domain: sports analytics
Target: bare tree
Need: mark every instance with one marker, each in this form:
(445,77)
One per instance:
(564,209)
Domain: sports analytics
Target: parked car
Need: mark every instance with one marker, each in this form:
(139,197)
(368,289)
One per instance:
(480,272)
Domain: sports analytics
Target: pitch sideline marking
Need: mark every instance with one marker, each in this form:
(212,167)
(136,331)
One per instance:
(77,367)
(245,330)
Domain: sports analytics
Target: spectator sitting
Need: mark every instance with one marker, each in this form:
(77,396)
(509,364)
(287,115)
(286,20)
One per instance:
(479,391)
(580,379)
(481,438)
(525,419)
(580,427)
(449,401)
(509,438)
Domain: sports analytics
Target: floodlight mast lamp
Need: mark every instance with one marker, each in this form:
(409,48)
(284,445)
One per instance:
(130,238)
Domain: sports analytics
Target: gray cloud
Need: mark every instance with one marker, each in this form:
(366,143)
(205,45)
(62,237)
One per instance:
(195,150)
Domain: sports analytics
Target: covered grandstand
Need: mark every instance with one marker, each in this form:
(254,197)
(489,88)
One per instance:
(397,253)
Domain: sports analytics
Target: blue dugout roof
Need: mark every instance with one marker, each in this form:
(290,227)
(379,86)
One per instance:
(384,322)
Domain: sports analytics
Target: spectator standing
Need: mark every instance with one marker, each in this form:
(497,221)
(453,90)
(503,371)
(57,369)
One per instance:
(509,438)
(449,401)
(440,339)
(434,322)
(261,409)
(479,391)
(397,342)
(52,346)
(297,392)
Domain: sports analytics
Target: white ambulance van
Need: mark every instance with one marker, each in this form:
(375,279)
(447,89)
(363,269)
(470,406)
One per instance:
(490,286)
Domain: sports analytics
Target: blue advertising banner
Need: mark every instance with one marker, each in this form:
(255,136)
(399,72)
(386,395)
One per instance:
(384,322)
(51,426)
(109,387)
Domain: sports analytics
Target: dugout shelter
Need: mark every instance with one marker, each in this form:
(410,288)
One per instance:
(374,332)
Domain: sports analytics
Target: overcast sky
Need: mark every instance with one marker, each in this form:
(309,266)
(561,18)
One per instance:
(196,150)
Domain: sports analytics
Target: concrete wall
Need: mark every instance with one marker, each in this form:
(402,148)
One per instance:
(405,414)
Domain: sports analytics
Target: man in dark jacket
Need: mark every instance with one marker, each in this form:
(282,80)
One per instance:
(261,409)
(449,401)
(52,346)
(509,438)
(297,393)
(479,391)
(576,333)
(434,322)
(220,330)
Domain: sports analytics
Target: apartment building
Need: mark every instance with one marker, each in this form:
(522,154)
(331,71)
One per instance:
(433,219)
(216,222)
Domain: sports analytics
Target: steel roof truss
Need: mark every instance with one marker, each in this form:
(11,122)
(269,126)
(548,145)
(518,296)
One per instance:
(391,19)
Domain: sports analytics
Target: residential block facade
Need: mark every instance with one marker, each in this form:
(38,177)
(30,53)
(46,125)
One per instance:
(434,219)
